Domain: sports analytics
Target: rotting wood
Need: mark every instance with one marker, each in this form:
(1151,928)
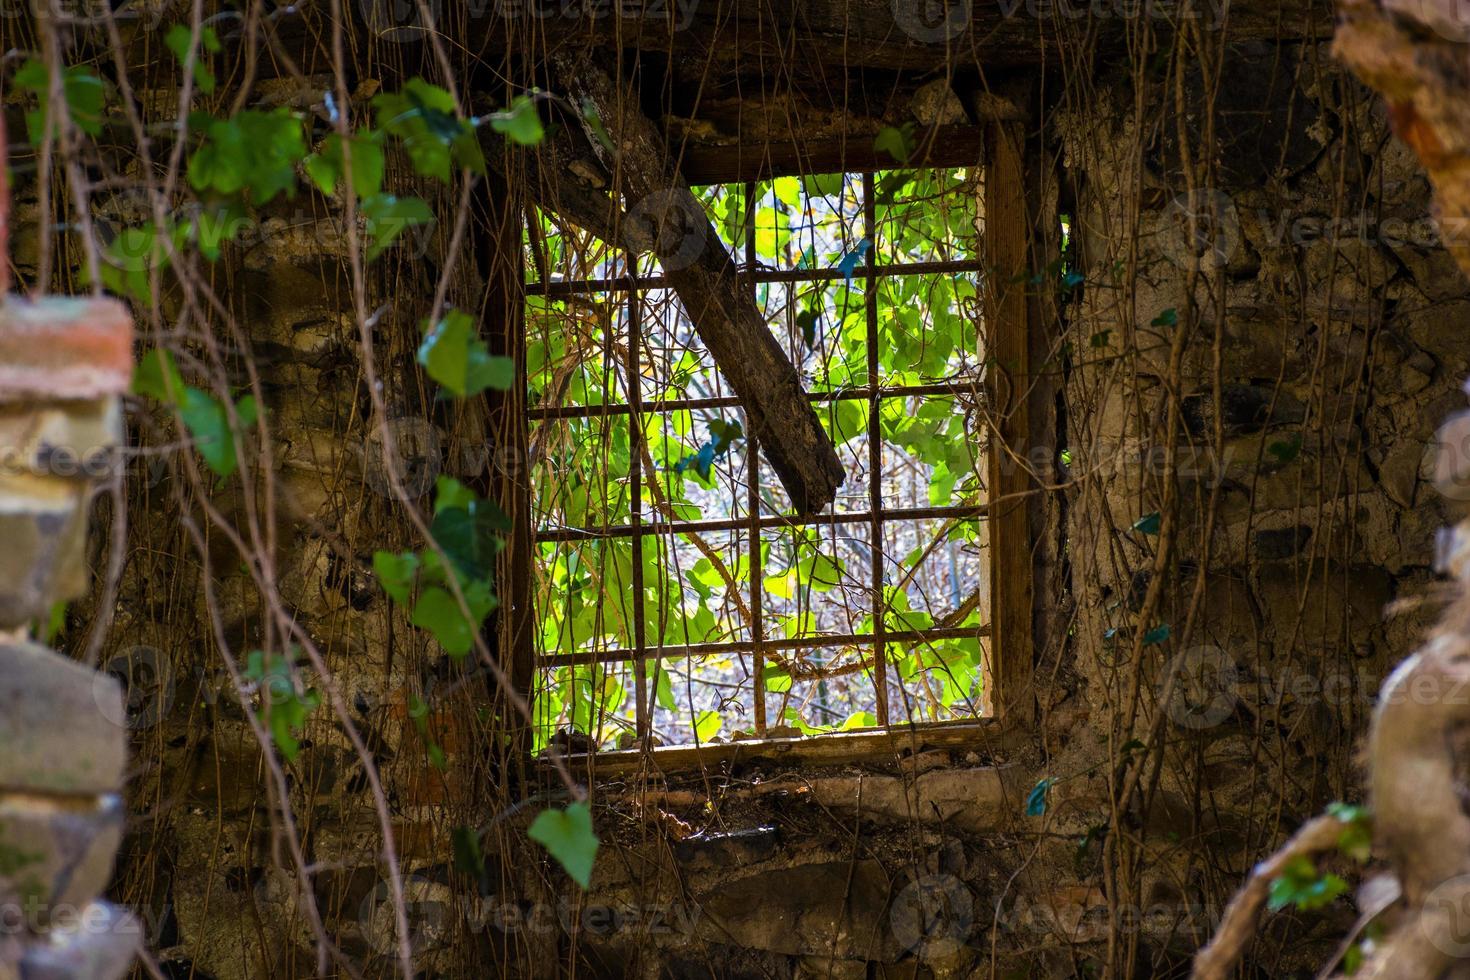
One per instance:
(667,217)
(1007,310)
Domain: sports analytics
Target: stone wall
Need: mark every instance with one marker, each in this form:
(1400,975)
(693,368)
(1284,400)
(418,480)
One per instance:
(1335,317)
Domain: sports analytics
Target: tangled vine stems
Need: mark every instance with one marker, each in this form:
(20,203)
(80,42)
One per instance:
(1411,54)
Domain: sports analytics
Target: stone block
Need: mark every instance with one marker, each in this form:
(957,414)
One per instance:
(56,854)
(70,439)
(43,524)
(61,347)
(62,724)
(99,943)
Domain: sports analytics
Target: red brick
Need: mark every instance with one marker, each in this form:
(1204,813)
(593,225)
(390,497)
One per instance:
(64,347)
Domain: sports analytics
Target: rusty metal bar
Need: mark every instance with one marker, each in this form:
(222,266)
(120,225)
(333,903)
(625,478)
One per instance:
(642,722)
(696,650)
(730,401)
(753,468)
(875,451)
(960,512)
(612,284)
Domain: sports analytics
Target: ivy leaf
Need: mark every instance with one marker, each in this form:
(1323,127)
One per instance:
(807,321)
(1036,800)
(469,859)
(253,152)
(157,376)
(521,123)
(568,836)
(179,39)
(450,493)
(1168,318)
(437,612)
(284,707)
(1156,635)
(388,217)
(665,688)
(1071,280)
(396,573)
(896,141)
(458,359)
(469,536)
(1148,523)
(423,118)
(594,121)
(1356,840)
(707,725)
(777,680)
(849,263)
(1301,885)
(1286,451)
(325,167)
(83,91)
(209,424)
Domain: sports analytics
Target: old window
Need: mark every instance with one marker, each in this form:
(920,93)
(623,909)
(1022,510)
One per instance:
(673,592)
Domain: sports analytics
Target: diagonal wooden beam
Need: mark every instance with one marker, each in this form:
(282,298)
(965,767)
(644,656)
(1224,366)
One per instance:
(665,218)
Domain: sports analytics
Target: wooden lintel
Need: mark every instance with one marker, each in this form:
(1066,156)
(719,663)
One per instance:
(941,146)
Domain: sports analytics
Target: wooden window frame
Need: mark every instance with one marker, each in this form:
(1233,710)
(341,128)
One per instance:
(998,148)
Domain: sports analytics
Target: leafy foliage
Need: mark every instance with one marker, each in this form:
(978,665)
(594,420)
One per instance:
(1301,885)
(285,706)
(567,836)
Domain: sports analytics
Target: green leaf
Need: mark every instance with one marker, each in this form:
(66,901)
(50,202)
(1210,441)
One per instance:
(807,320)
(470,536)
(665,688)
(896,141)
(458,359)
(422,117)
(437,612)
(157,376)
(449,493)
(568,836)
(707,725)
(1301,885)
(208,423)
(594,121)
(1036,800)
(1147,524)
(522,124)
(396,573)
(777,681)
(253,153)
(326,167)
(388,217)
(1356,840)
(1286,451)
(469,859)
(83,91)
(1168,318)
(179,39)
(1156,635)
(284,707)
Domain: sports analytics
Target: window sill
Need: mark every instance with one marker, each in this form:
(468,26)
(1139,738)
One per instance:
(833,748)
